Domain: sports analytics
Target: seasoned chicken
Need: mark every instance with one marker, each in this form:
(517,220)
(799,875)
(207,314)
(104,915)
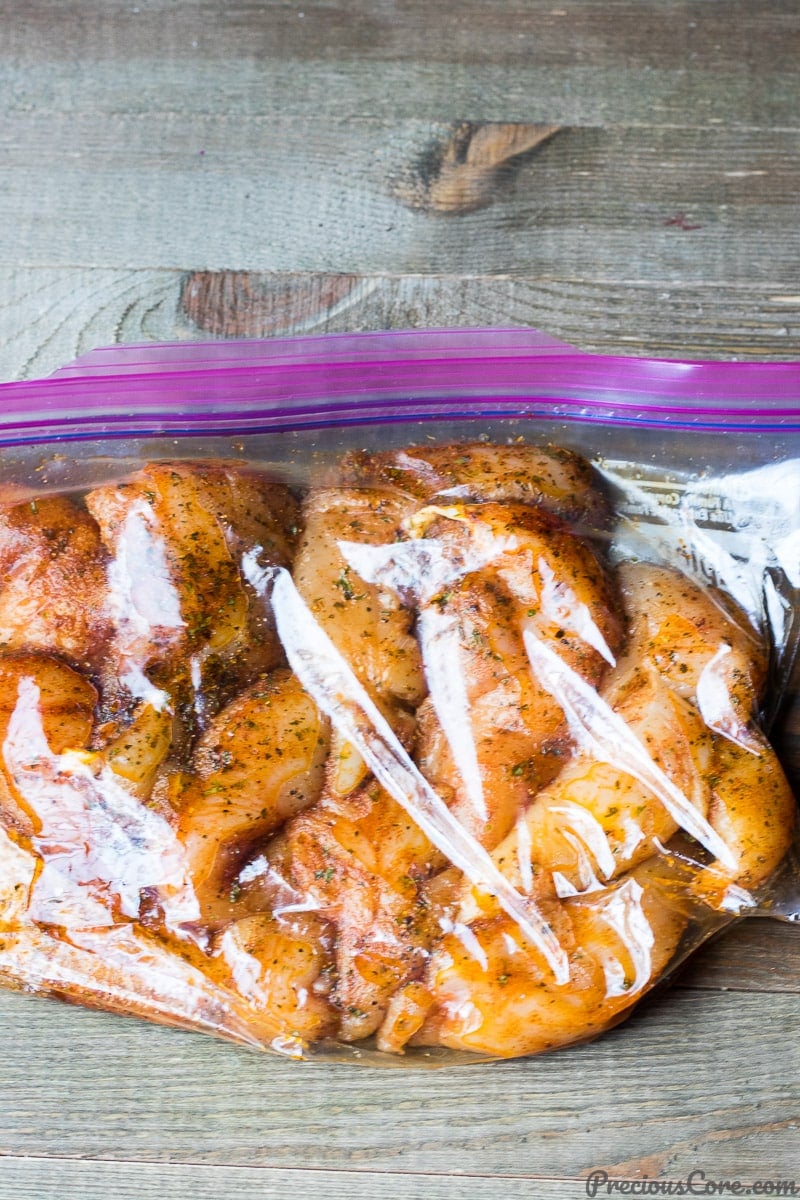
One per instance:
(53,590)
(368,625)
(593,821)
(490,734)
(64,702)
(361,863)
(480,792)
(282,965)
(706,651)
(491,993)
(591,847)
(549,477)
(181,537)
(260,761)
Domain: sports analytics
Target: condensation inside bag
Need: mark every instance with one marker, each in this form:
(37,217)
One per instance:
(454,746)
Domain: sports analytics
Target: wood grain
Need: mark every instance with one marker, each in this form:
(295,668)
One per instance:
(244,304)
(216,192)
(60,1179)
(669,63)
(506,31)
(692,1077)
(756,955)
(48,316)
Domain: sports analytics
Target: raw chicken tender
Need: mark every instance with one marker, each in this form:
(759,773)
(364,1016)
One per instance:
(550,477)
(185,542)
(53,590)
(491,735)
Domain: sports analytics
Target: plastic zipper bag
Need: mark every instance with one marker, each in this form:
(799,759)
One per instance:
(401,697)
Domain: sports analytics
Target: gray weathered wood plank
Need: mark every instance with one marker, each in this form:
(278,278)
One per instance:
(578,62)
(753,956)
(662,206)
(729,32)
(48,316)
(62,1179)
(695,1077)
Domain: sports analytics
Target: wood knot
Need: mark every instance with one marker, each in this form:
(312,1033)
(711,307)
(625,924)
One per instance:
(465,169)
(244,304)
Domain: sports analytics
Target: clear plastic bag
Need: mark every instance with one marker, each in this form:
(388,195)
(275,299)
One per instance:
(399,697)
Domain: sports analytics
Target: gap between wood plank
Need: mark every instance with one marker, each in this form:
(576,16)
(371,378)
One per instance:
(365,1173)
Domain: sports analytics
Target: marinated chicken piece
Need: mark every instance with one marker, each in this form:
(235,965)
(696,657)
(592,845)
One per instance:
(705,649)
(53,591)
(549,477)
(594,821)
(260,761)
(368,624)
(754,811)
(699,642)
(283,966)
(490,735)
(135,749)
(65,703)
(495,995)
(180,536)
(488,989)
(360,863)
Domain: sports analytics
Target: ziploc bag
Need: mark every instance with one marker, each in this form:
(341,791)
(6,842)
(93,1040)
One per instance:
(397,697)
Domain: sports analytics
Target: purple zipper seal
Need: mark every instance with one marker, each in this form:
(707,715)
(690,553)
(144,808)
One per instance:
(187,389)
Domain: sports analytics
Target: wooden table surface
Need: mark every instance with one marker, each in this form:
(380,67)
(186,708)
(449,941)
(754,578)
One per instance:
(625,175)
